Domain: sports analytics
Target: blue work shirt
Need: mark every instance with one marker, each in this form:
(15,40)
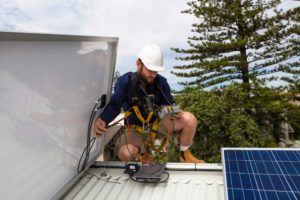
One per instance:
(122,97)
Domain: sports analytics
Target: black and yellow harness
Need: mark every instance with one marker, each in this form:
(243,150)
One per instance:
(148,130)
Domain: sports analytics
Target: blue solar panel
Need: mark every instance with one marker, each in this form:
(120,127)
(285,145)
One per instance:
(261,173)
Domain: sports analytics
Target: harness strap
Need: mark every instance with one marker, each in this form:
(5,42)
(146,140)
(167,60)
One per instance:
(140,116)
(164,95)
(134,84)
(148,131)
(149,140)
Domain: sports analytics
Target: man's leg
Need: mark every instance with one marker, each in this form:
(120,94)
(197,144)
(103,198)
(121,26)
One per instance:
(129,145)
(186,123)
(128,152)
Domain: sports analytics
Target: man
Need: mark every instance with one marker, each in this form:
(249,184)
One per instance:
(141,84)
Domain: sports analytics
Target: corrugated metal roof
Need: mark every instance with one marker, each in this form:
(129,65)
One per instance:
(108,183)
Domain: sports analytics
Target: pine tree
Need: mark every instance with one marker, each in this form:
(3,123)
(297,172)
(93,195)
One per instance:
(293,33)
(235,40)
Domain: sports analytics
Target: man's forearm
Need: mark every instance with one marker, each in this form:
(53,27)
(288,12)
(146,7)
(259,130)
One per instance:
(110,113)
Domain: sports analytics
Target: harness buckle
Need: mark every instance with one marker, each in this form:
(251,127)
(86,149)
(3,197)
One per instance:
(146,127)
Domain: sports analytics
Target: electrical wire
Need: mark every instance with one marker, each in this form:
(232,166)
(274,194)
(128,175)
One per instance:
(170,129)
(90,142)
(86,150)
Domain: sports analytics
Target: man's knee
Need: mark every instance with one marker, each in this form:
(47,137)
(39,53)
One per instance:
(189,118)
(127,152)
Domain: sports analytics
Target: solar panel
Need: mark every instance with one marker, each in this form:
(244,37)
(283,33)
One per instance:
(261,173)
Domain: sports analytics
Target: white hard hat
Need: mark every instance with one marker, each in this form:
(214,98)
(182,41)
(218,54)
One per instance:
(152,57)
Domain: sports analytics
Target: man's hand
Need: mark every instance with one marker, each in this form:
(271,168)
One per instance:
(99,127)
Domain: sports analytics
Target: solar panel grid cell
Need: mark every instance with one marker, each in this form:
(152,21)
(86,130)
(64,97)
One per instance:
(262,173)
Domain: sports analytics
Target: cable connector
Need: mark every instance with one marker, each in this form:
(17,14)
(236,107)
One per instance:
(169,111)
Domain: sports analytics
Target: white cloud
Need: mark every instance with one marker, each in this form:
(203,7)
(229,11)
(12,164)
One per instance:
(134,22)
(137,23)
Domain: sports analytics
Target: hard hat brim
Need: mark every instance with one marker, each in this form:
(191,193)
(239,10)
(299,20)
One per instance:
(154,68)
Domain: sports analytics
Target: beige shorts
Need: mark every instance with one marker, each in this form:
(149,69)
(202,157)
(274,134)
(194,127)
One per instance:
(132,136)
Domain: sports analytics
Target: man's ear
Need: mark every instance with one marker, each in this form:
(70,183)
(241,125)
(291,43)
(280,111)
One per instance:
(138,63)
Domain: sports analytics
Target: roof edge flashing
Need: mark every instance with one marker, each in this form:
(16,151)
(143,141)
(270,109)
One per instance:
(170,166)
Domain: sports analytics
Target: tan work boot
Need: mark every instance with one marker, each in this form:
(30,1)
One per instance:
(187,157)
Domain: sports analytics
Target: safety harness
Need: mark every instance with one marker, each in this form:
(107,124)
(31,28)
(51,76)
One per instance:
(147,130)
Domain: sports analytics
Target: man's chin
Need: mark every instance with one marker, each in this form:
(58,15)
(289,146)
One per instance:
(150,82)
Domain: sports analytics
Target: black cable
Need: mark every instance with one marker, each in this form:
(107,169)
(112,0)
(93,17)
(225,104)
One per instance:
(90,142)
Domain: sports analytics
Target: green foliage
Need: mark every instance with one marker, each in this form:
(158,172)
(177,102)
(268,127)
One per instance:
(294,114)
(294,119)
(230,118)
(172,153)
(239,40)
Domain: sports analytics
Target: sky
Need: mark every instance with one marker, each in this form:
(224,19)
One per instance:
(133,22)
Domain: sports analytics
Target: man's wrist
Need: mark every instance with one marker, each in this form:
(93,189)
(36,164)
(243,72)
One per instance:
(101,118)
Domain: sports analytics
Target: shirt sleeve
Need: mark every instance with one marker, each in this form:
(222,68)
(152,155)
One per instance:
(115,104)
